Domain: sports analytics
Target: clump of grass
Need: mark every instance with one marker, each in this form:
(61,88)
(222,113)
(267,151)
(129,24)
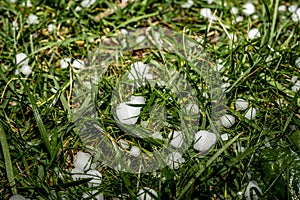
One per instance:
(39,142)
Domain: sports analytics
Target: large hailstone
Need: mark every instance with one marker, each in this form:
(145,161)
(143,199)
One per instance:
(227,121)
(296,87)
(250,186)
(248,8)
(251,113)
(204,140)
(87,3)
(77,174)
(83,161)
(135,151)
(253,33)
(176,138)
(192,108)
(78,64)
(32,19)
(206,13)
(21,59)
(17,197)
(128,114)
(64,62)
(241,104)
(139,70)
(188,4)
(96,177)
(26,70)
(123,144)
(174,159)
(147,194)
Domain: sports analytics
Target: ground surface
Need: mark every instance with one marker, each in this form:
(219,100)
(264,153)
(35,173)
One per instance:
(39,142)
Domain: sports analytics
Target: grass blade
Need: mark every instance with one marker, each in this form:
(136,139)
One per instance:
(7,160)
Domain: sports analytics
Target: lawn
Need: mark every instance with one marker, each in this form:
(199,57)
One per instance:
(137,99)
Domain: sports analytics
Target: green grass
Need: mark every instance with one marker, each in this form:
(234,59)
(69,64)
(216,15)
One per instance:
(38,136)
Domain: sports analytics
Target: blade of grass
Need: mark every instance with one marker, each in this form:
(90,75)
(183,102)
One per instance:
(7,160)
(38,119)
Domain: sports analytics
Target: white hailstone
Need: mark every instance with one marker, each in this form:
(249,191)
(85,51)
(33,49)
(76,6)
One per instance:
(124,31)
(92,194)
(205,95)
(251,113)
(297,62)
(77,174)
(254,17)
(227,121)
(219,66)
(292,8)
(96,175)
(17,197)
(157,39)
(15,26)
(27,4)
(296,87)
(135,151)
(296,15)
(210,1)
(138,70)
(51,28)
(192,108)
(128,114)
(253,33)
(239,18)
(225,86)
(250,186)
(176,138)
(140,39)
(188,4)
(78,64)
(26,70)
(64,63)
(87,3)
(78,9)
(146,194)
(21,59)
(12,1)
(206,13)
(241,104)
(94,165)
(17,72)
(32,19)
(83,161)
(123,144)
(234,10)
(174,159)
(224,137)
(137,100)
(225,78)
(282,8)
(248,8)
(204,140)
(157,135)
